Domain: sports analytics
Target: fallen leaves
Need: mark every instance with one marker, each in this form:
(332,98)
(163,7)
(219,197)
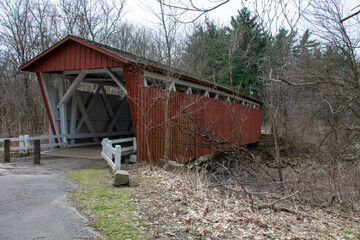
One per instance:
(213,213)
(183,206)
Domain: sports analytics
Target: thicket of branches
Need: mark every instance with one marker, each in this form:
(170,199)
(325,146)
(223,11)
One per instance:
(28,27)
(308,80)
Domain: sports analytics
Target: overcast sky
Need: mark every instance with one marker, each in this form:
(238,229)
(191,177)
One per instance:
(138,12)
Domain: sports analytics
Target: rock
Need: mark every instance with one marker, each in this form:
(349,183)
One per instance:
(132,158)
(161,163)
(121,178)
(174,166)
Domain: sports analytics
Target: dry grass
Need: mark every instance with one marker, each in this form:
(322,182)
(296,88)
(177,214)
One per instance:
(184,206)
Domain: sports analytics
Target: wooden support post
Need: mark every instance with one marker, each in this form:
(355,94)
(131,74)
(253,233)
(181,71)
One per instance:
(48,104)
(36,151)
(62,110)
(73,115)
(7,150)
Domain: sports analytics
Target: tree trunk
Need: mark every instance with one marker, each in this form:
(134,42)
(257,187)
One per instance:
(277,156)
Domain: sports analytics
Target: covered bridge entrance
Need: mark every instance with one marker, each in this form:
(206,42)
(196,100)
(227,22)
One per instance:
(92,91)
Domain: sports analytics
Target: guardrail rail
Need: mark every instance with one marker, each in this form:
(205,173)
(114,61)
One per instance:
(24,141)
(109,152)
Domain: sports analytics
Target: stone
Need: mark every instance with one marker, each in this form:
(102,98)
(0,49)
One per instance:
(121,178)
(161,163)
(132,158)
(174,166)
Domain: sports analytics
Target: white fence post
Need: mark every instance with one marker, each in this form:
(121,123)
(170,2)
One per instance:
(21,144)
(103,143)
(27,144)
(117,157)
(134,144)
(108,150)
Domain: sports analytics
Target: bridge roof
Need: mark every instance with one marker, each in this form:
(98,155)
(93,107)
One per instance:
(74,53)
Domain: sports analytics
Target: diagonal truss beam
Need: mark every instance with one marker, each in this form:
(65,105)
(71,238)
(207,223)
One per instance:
(89,104)
(116,114)
(70,92)
(85,115)
(117,80)
(108,105)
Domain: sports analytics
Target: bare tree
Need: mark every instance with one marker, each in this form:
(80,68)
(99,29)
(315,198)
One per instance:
(168,30)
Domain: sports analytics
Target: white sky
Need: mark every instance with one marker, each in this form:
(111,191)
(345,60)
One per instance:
(138,12)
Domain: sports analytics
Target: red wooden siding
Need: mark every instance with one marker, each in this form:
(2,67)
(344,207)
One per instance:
(72,55)
(190,114)
(232,122)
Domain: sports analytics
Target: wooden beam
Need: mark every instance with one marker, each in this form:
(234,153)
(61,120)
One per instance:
(37,151)
(98,79)
(98,70)
(7,150)
(189,90)
(72,88)
(89,104)
(73,115)
(107,102)
(172,87)
(85,115)
(108,105)
(194,85)
(115,116)
(62,110)
(206,94)
(49,107)
(117,80)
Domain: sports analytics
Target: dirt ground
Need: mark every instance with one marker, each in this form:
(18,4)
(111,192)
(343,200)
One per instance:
(183,206)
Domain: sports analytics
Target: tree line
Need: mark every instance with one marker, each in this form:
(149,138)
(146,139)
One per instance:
(308,80)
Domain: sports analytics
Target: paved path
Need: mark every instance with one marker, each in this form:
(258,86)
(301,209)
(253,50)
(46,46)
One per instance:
(33,200)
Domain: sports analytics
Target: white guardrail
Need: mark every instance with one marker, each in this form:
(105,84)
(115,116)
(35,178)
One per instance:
(108,151)
(24,142)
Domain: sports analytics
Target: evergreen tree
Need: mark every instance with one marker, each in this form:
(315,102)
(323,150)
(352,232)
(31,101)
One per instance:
(231,55)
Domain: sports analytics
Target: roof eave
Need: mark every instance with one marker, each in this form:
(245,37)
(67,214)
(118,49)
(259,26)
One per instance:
(27,67)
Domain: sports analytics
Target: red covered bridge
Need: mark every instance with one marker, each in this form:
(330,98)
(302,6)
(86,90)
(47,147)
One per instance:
(93,91)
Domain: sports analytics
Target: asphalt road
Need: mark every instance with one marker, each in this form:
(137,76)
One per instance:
(33,200)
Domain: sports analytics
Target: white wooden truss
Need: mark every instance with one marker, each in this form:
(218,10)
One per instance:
(79,108)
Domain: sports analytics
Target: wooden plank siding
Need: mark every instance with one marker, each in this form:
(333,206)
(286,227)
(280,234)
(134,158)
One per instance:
(72,55)
(235,123)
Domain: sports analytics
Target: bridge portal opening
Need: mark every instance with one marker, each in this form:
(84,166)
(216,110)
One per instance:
(87,105)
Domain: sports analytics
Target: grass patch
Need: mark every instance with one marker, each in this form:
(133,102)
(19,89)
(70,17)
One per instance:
(111,209)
